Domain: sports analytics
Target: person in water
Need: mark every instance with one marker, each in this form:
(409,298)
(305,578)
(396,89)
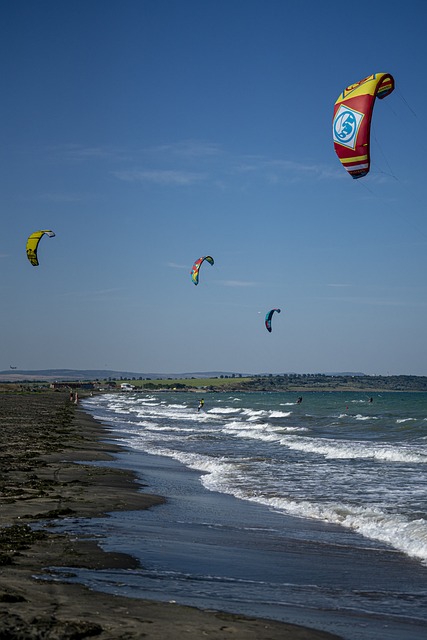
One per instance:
(299,400)
(201,403)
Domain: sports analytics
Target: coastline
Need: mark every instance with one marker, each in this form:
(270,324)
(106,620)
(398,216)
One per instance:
(47,445)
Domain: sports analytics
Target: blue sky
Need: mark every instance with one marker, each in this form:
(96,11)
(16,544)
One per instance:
(149,133)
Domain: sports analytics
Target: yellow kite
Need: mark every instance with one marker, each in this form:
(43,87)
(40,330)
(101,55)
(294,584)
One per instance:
(33,243)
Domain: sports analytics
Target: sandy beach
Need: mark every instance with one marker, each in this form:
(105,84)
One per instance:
(47,444)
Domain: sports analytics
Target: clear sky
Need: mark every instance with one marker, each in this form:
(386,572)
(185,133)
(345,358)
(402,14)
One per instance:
(148,133)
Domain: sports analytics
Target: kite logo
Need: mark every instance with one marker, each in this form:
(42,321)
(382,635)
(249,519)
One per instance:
(346,126)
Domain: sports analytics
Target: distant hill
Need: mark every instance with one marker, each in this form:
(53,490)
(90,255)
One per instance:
(99,374)
(237,381)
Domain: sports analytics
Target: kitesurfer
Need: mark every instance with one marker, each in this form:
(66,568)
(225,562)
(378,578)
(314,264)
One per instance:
(201,403)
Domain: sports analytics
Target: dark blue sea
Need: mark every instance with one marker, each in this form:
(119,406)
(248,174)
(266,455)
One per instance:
(312,513)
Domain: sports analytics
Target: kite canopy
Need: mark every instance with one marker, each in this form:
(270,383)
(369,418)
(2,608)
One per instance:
(33,243)
(196,267)
(351,125)
(268,319)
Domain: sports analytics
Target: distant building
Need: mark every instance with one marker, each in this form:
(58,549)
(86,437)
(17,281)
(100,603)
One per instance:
(126,387)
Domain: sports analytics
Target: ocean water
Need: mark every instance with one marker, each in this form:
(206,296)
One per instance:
(314,513)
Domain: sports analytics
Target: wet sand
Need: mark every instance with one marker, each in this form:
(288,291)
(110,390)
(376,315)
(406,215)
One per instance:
(46,445)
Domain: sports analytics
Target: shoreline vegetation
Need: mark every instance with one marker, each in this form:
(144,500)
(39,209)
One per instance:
(289,382)
(296,383)
(48,447)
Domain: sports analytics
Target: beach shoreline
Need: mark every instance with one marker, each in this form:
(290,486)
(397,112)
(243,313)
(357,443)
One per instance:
(48,447)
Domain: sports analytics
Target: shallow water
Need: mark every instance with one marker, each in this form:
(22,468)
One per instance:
(336,458)
(329,528)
